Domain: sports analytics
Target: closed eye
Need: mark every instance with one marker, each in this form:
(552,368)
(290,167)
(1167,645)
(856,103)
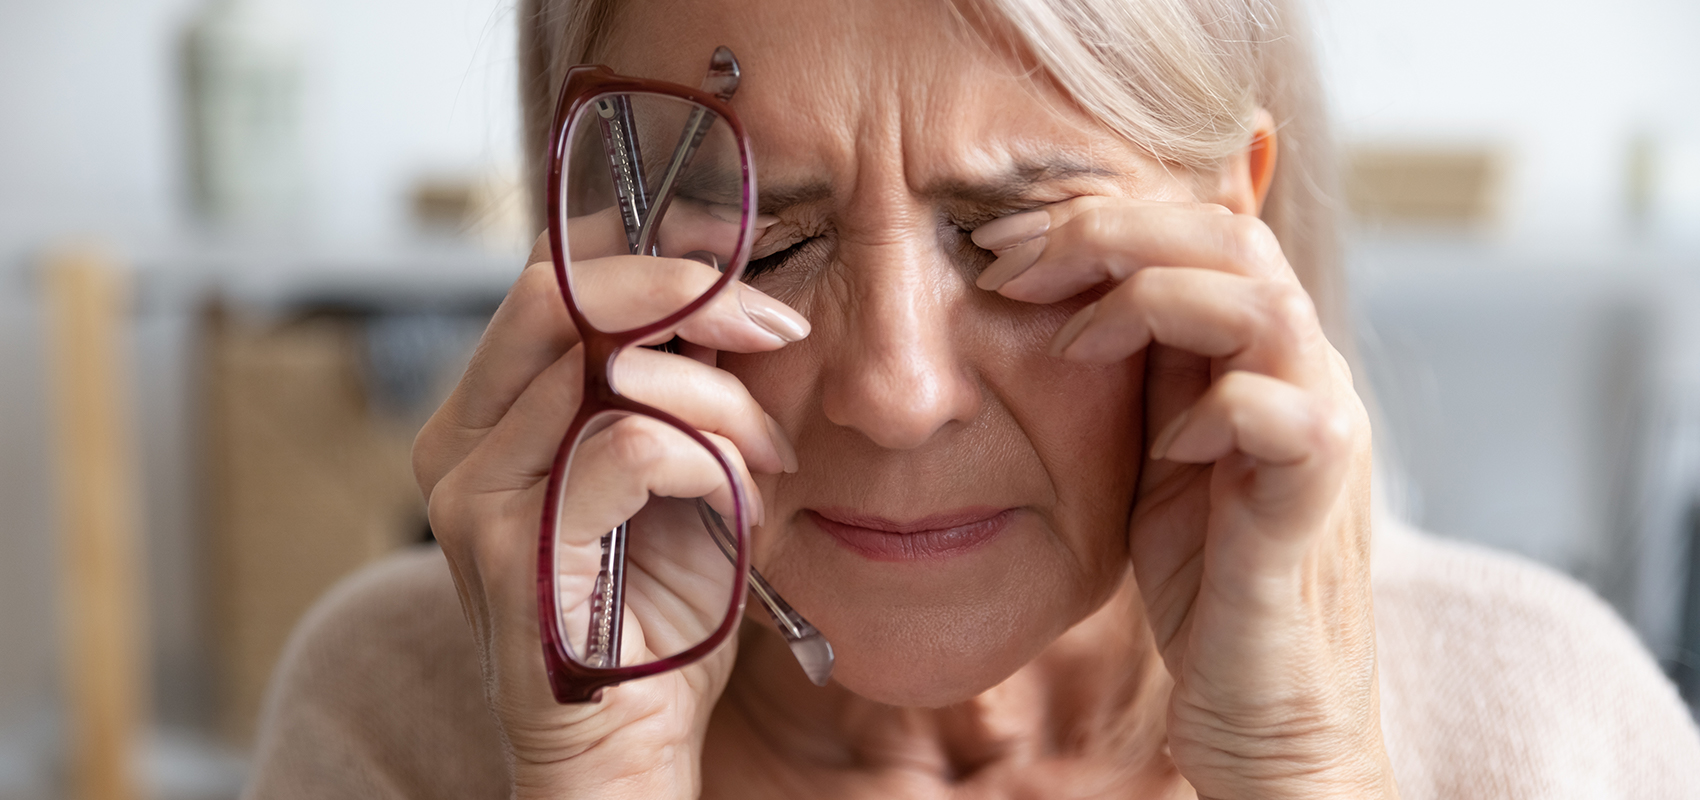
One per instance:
(774,261)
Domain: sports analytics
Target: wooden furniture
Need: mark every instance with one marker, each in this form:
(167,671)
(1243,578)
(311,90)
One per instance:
(100,568)
(305,485)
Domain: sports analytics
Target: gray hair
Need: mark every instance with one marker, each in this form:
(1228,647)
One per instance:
(1182,79)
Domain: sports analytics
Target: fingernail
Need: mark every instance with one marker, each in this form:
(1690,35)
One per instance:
(1160,448)
(758,506)
(1071,329)
(1011,230)
(782,444)
(1011,263)
(771,315)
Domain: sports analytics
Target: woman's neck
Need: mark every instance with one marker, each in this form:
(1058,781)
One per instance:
(1093,702)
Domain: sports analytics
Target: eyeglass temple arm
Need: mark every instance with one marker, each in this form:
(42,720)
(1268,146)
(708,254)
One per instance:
(722,82)
(608,602)
(625,163)
(812,651)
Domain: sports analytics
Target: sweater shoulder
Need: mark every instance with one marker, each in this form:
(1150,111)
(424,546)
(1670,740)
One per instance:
(1503,678)
(379,694)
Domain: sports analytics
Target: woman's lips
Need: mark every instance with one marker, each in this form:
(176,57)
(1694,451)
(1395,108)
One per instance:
(935,536)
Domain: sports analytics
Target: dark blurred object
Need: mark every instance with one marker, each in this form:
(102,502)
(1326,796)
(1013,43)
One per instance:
(1452,186)
(404,355)
(100,569)
(1685,668)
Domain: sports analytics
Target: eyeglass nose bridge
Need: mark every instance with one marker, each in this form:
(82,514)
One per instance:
(600,351)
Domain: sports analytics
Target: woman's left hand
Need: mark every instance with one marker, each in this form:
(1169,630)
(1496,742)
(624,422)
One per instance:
(1250,531)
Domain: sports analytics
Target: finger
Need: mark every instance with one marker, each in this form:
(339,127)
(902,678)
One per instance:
(1264,326)
(529,331)
(620,293)
(1090,240)
(615,472)
(593,235)
(691,226)
(1296,446)
(532,329)
(486,553)
(613,475)
(491,548)
(521,448)
(710,400)
(677,576)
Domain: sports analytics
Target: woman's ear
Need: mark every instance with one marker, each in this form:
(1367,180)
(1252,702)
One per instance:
(1244,180)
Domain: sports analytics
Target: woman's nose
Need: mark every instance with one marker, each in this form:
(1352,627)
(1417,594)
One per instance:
(898,374)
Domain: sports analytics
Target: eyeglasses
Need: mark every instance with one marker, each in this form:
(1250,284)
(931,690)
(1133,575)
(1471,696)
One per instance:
(651,185)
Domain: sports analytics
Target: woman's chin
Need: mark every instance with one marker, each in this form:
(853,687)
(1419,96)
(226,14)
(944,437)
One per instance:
(940,660)
(921,682)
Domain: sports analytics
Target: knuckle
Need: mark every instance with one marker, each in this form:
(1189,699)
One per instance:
(449,512)
(1252,243)
(536,295)
(1091,226)
(1295,309)
(1288,311)
(426,457)
(1333,428)
(672,283)
(536,284)
(635,446)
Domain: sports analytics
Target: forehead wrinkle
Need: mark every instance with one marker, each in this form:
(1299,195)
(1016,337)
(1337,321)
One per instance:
(1001,159)
(807,127)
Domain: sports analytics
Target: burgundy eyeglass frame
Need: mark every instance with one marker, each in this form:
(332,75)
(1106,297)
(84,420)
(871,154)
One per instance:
(573,682)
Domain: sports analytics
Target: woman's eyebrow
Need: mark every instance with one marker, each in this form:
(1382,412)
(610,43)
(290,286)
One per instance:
(776,199)
(711,185)
(1015,184)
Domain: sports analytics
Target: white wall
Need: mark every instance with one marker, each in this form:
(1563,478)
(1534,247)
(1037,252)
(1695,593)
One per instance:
(90,141)
(1566,84)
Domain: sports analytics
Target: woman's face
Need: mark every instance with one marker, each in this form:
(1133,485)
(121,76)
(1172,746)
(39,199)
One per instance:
(963,496)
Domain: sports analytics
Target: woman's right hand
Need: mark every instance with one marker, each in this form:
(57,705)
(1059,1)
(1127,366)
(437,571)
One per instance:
(483,460)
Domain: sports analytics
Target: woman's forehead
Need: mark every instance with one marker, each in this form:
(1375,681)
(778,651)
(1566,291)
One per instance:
(836,91)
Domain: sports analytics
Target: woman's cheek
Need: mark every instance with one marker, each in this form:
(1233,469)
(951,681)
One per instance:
(1085,421)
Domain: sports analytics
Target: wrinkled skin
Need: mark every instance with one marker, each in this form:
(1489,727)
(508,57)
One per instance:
(1180,601)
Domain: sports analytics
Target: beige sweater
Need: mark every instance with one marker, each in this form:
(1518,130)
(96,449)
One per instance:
(1500,679)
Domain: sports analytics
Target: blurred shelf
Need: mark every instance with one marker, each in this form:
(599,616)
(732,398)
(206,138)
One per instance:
(275,277)
(1438,253)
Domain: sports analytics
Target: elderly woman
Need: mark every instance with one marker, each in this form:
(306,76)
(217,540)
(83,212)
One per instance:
(1012,393)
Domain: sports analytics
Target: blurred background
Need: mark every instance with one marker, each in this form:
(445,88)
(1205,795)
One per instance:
(245,245)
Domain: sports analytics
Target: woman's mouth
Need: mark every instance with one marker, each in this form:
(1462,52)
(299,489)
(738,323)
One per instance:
(935,536)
